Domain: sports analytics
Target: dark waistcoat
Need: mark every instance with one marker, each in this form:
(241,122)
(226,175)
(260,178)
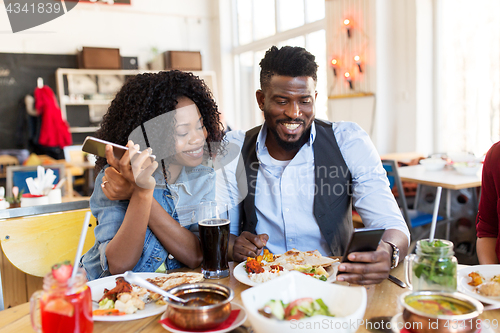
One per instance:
(332,200)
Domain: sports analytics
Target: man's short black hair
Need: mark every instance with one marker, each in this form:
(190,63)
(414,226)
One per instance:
(288,61)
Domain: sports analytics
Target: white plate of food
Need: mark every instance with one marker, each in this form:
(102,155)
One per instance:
(290,260)
(240,319)
(487,272)
(153,306)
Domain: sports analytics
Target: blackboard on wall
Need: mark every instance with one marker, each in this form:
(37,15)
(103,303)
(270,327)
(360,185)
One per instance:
(18,77)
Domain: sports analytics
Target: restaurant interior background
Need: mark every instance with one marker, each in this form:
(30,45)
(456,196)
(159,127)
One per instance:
(418,75)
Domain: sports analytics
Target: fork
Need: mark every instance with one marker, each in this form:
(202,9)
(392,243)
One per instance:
(492,307)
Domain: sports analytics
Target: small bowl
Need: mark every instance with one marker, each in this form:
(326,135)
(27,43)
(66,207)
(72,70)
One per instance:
(433,164)
(458,157)
(200,317)
(424,322)
(467,168)
(347,303)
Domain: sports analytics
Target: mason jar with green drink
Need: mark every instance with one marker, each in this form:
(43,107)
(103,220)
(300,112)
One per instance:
(433,267)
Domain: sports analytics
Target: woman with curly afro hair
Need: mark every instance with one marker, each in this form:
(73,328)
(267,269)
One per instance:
(143,206)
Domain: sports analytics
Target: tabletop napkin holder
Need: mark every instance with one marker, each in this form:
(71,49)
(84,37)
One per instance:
(41,189)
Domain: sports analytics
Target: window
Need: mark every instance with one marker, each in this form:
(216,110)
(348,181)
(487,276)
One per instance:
(259,24)
(290,14)
(468,52)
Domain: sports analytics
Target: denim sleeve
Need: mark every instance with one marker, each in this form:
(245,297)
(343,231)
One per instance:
(109,215)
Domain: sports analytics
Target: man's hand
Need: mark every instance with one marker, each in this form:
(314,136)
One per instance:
(367,267)
(248,245)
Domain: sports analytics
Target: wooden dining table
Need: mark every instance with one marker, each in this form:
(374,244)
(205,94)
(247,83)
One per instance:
(382,302)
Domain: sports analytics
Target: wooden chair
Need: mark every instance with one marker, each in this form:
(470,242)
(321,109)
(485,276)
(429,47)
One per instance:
(5,161)
(32,244)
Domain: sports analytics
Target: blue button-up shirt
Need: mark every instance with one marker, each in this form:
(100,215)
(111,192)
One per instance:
(284,196)
(180,200)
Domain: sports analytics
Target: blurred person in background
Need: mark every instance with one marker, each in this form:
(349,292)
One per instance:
(488,216)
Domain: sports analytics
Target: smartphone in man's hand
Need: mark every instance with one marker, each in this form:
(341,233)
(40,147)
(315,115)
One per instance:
(363,240)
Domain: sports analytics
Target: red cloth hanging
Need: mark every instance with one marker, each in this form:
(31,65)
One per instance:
(54,131)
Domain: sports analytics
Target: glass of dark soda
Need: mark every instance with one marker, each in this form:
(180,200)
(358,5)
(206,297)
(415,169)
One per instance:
(213,224)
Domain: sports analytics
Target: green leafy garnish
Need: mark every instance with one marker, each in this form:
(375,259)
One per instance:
(435,264)
(106,304)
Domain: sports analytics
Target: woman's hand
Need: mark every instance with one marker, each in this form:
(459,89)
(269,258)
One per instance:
(115,186)
(142,167)
(136,168)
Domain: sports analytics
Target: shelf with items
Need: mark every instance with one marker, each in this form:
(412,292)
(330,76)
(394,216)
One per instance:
(83,129)
(88,86)
(85,94)
(89,102)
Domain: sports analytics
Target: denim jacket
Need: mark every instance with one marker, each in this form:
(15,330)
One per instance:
(180,200)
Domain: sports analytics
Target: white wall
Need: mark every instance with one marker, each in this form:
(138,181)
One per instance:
(396,76)
(136,29)
(357,104)
(405,79)
(223,60)
(401,73)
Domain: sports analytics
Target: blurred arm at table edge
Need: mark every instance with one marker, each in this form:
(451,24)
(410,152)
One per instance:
(485,248)
(487,219)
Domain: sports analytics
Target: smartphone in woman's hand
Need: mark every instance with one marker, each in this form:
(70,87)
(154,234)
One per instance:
(98,147)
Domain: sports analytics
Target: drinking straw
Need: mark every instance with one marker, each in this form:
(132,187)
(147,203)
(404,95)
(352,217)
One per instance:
(32,186)
(80,243)
(61,183)
(435,213)
(40,174)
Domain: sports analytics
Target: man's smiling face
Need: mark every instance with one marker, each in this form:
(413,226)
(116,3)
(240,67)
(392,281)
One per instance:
(288,104)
